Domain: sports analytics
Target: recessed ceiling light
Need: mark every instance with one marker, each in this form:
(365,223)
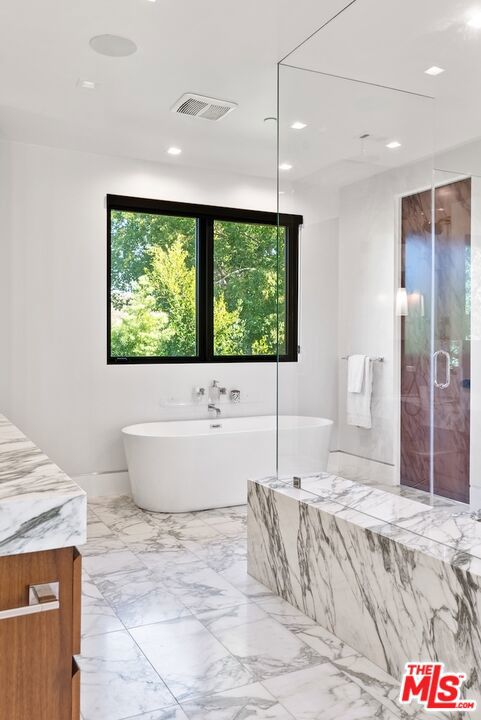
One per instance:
(87,84)
(285,166)
(112,45)
(434,70)
(475,20)
(298,125)
(393,145)
(174,151)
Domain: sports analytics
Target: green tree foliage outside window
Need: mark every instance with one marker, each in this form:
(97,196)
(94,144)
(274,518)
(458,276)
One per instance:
(154,287)
(247,263)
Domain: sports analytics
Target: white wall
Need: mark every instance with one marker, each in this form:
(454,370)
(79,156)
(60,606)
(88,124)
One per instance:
(4,273)
(369,227)
(62,392)
(54,381)
(313,381)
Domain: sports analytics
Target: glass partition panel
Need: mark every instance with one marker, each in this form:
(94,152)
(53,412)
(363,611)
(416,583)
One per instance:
(355,160)
(457,323)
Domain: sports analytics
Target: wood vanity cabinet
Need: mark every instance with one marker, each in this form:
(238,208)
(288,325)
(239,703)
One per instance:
(39,678)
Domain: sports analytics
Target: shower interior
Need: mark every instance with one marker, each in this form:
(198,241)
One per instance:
(388,267)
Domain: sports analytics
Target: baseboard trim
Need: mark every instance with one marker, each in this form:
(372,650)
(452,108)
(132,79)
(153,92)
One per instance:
(353,467)
(108,483)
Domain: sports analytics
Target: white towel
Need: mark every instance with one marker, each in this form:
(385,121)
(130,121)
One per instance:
(355,373)
(359,403)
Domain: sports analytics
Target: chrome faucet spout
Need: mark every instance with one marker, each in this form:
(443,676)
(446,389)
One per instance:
(216,409)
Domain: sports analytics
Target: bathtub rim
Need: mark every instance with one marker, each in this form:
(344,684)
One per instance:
(135,430)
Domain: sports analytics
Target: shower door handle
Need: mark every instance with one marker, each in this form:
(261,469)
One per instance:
(447,380)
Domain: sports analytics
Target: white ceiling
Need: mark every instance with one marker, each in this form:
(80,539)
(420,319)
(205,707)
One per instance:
(229,50)
(222,48)
(388,44)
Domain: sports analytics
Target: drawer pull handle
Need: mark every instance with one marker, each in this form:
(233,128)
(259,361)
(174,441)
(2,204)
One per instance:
(41,598)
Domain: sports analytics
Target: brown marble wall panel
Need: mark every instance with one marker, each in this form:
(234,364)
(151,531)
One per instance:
(451,316)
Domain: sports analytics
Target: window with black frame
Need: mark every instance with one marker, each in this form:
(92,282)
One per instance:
(191,283)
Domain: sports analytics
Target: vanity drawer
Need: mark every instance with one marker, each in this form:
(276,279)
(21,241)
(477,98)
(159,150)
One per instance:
(36,636)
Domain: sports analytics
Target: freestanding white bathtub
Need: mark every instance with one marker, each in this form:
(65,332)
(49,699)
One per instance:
(180,466)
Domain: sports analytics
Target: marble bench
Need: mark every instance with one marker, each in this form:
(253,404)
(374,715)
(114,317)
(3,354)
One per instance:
(395,578)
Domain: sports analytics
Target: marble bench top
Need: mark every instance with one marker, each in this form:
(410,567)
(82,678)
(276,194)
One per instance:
(438,527)
(41,508)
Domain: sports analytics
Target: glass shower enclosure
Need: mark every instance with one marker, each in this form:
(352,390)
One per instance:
(382,390)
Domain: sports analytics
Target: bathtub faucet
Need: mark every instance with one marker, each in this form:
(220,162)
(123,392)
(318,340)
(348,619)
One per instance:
(217,410)
(215,391)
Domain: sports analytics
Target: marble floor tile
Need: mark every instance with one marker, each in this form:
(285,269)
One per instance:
(172,713)
(377,683)
(250,701)
(91,516)
(322,641)
(325,643)
(134,526)
(195,533)
(139,598)
(165,521)
(100,539)
(200,588)
(110,562)
(231,528)
(220,553)
(260,643)
(238,576)
(285,613)
(117,680)
(189,659)
(325,693)
(111,509)
(218,621)
(169,560)
(150,538)
(97,615)
(223,644)
(220,515)
(121,504)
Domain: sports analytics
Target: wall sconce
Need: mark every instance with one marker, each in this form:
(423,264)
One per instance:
(401,302)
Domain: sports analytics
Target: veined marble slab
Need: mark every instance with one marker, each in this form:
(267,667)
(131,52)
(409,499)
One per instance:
(392,594)
(440,520)
(41,508)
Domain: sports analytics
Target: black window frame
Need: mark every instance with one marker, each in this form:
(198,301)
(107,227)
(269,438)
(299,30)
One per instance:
(206,215)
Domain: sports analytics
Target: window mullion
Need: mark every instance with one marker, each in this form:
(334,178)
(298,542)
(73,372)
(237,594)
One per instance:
(201,289)
(209,288)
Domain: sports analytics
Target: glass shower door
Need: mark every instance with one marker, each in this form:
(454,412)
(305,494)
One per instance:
(435,310)
(451,337)
(414,310)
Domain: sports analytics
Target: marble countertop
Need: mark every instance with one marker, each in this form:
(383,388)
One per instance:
(437,526)
(41,508)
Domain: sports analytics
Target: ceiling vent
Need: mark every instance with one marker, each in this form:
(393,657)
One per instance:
(203,107)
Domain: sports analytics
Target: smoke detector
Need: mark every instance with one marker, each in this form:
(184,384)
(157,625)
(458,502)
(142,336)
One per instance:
(203,107)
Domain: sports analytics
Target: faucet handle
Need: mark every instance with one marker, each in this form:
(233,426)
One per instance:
(200,391)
